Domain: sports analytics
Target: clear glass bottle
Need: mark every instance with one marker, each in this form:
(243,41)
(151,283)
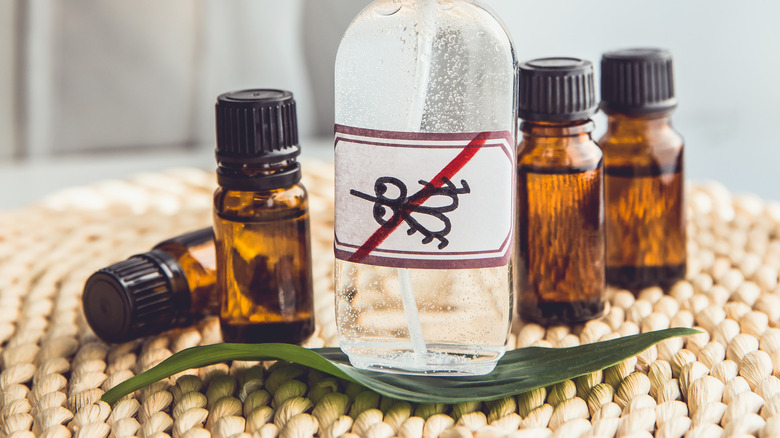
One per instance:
(425,122)
(643,165)
(560,202)
(261,221)
(170,286)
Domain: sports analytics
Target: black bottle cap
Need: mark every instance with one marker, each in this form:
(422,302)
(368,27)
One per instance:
(637,81)
(256,126)
(143,295)
(556,90)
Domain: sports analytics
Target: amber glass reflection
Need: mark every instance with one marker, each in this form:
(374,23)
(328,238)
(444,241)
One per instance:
(560,228)
(264,249)
(196,255)
(645,213)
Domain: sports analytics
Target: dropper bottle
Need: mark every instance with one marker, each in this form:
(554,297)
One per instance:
(643,165)
(170,286)
(560,194)
(261,220)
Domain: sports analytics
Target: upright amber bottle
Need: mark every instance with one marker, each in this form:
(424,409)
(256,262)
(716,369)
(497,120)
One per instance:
(170,286)
(261,220)
(643,165)
(560,210)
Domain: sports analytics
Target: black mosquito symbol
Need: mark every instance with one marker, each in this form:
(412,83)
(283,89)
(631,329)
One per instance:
(404,207)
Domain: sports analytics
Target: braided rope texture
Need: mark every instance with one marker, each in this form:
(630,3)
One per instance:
(53,370)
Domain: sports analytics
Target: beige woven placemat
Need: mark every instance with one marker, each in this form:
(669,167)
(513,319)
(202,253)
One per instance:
(54,369)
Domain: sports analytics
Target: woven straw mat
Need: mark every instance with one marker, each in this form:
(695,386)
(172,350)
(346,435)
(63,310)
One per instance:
(723,382)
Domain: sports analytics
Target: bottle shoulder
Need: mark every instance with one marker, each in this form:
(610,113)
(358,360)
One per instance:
(559,154)
(386,19)
(638,148)
(266,204)
(648,140)
(637,134)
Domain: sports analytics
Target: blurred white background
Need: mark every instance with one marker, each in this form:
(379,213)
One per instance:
(91,90)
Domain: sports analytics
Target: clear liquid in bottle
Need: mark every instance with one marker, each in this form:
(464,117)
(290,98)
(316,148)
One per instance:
(425,126)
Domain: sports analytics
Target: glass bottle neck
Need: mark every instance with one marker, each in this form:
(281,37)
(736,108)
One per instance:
(252,170)
(558,133)
(258,176)
(638,125)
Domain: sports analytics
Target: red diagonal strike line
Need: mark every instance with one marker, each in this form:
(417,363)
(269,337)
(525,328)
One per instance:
(420,197)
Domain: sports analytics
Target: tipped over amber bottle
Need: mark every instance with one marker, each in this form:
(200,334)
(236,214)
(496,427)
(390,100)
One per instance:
(643,165)
(560,210)
(261,220)
(170,286)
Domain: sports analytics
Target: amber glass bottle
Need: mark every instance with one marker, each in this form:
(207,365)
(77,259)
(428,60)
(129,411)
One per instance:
(643,165)
(560,210)
(170,286)
(261,220)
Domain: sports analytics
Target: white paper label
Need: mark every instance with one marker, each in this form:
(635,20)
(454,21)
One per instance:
(420,200)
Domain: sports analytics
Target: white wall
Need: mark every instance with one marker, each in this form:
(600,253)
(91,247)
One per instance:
(253,44)
(8,124)
(145,73)
(128,76)
(727,61)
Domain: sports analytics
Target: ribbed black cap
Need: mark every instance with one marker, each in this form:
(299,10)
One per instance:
(556,90)
(637,81)
(143,295)
(256,126)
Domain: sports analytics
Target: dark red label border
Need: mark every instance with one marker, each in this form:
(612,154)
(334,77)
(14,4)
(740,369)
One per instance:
(476,140)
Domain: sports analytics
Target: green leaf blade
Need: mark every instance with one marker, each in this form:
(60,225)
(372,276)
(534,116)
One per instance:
(518,371)
(202,356)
